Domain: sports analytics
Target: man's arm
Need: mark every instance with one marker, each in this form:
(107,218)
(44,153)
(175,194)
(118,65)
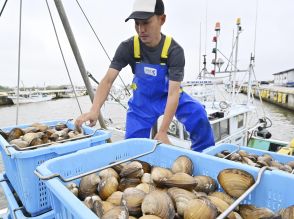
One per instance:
(102,92)
(170,110)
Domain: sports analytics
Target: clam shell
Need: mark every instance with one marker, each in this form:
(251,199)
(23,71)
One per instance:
(158,203)
(31,138)
(159,173)
(146,187)
(41,127)
(30,129)
(205,184)
(220,155)
(101,207)
(243,153)
(146,166)
(59,126)
(107,186)
(146,178)
(181,198)
(19,143)
(115,198)
(182,164)
(88,185)
(118,212)
(200,209)
(107,173)
(73,188)
(221,205)
(250,211)
(132,170)
(225,197)
(180,180)
(15,133)
(235,181)
(125,183)
(287,213)
(291,164)
(118,167)
(134,198)
(149,217)
(89,201)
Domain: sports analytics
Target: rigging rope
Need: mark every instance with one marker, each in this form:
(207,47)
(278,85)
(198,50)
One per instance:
(3,7)
(61,52)
(18,61)
(125,87)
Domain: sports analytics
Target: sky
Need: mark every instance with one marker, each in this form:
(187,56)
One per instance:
(190,22)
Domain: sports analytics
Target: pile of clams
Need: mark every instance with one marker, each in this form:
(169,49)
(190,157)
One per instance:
(256,160)
(139,190)
(38,134)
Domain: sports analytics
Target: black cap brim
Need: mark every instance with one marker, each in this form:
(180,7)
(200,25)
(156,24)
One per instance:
(140,15)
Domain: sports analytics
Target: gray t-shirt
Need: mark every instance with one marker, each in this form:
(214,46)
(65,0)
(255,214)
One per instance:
(124,56)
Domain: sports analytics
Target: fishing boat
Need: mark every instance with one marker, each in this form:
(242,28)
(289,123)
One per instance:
(30,97)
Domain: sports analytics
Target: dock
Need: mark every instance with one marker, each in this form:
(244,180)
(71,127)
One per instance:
(278,95)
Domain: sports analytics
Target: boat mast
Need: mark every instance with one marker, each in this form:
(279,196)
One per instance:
(77,54)
(236,57)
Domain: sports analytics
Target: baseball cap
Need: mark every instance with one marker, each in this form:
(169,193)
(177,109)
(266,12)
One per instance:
(144,9)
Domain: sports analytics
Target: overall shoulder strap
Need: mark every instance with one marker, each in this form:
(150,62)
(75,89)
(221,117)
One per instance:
(164,53)
(137,54)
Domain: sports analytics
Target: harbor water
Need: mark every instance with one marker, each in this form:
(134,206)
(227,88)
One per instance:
(282,120)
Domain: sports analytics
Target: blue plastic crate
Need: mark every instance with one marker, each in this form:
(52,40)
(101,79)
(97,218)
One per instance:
(20,165)
(13,205)
(66,205)
(230,147)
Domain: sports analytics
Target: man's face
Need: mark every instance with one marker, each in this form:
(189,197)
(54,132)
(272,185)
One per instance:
(149,30)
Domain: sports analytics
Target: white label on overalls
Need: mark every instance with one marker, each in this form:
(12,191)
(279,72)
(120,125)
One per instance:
(150,71)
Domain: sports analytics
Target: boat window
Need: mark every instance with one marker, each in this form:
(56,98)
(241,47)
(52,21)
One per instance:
(224,128)
(173,129)
(216,131)
(240,120)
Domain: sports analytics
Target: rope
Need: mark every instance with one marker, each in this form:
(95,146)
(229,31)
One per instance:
(61,52)
(3,7)
(18,61)
(125,87)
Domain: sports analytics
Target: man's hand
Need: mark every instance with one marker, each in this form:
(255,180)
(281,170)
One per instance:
(162,137)
(90,116)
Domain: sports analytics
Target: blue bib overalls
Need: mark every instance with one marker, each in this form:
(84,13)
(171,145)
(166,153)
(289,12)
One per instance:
(148,104)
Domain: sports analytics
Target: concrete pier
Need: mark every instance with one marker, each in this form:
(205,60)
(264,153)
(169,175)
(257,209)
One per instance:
(278,95)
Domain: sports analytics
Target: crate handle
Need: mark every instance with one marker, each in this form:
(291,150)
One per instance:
(55,142)
(244,195)
(16,209)
(6,149)
(95,170)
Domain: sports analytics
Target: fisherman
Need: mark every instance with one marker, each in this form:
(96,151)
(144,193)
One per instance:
(157,62)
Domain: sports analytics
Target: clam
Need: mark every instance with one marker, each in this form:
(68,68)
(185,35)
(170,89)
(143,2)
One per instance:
(107,186)
(115,198)
(235,157)
(200,209)
(149,217)
(159,173)
(235,181)
(277,164)
(73,188)
(250,211)
(146,166)
(125,183)
(291,164)
(180,180)
(101,207)
(14,134)
(146,187)
(131,217)
(220,155)
(223,196)
(205,184)
(118,167)
(30,129)
(118,212)
(134,198)
(59,126)
(181,198)
(19,143)
(146,178)
(158,203)
(88,185)
(107,173)
(287,213)
(41,127)
(33,138)
(286,168)
(89,201)
(243,153)
(248,161)
(199,194)
(221,205)
(182,164)
(132,170)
